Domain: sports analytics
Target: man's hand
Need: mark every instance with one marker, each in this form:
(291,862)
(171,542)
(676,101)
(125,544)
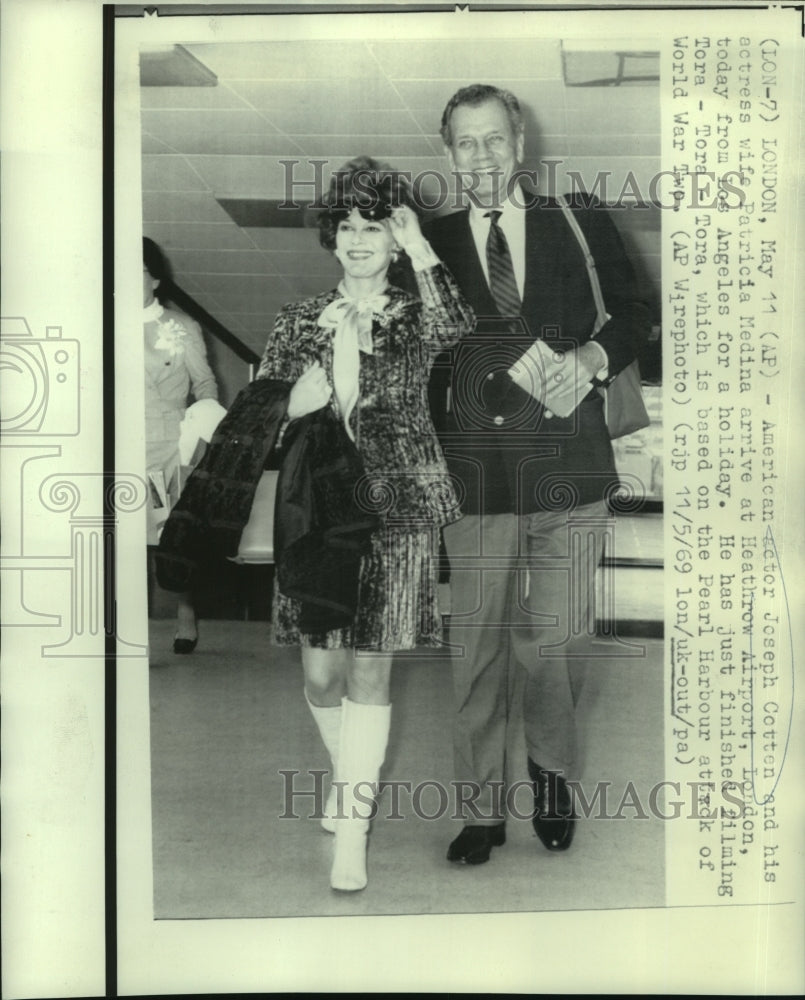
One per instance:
(559,380)
(592,358)
(310,392)
(567,382)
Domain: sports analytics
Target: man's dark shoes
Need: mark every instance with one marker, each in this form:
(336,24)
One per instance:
(474,844)
(554,820)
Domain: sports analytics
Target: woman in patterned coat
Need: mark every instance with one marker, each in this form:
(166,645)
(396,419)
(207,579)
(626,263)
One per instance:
(175,367)
(366,349)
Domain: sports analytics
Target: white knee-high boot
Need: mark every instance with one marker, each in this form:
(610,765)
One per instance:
(328,721)
(364,737)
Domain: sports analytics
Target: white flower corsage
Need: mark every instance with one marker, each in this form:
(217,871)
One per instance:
(170,338)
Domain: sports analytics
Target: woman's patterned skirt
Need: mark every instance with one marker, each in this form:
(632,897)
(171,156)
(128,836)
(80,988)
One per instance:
(398,604)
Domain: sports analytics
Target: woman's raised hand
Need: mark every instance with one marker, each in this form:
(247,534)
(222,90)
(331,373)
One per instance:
(310,392)
(404,226)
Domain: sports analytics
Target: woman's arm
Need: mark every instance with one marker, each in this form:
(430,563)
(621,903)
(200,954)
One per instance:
(271,362)
(446,314)
(310,390)
(202,380)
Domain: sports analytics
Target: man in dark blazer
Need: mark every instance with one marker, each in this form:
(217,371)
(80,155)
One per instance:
(535,472)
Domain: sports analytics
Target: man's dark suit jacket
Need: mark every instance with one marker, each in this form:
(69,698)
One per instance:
(500,444)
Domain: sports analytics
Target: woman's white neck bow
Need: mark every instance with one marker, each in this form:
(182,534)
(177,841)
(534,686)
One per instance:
(352,320)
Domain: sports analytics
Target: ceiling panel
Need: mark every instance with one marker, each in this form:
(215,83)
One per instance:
(259,323)
(549,117)
(178,206)
(222,261)
(378,146)
(202,143)
(190,97)
(286,240)
(615,170)
(415,165)
(208,301)
(275,293)
(436,144)
(467,60)
(322,101)
(170,173)
(540,146)
(311,284)
(198,235)
(261,213)
(152,145)
(543,103)
(194,284)
(256,293)
(647,144)
(430,96)
(247,287)
(256,327)
(233,323)
(287,60)
(247,176)
(630,100)
(306,95)
(163,122)
(316,261)
(229,320)
(620,121)
(428,120)
(344,120)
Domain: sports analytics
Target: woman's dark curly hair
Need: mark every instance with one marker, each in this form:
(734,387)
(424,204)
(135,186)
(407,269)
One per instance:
(374,188)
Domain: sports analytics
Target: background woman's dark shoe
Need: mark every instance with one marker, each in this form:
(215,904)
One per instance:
(184,645)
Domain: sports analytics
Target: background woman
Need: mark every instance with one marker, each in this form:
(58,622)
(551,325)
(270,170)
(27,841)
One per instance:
(366,349)
(175,367)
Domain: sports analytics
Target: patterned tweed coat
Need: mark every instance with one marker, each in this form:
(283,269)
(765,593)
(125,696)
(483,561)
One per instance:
(406,483)
(407,474)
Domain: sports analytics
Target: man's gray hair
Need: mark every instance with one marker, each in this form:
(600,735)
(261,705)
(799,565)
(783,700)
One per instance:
(479,93)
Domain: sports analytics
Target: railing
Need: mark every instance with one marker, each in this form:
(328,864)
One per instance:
(211,325)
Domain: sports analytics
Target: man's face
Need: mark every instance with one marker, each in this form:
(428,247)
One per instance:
(485,146)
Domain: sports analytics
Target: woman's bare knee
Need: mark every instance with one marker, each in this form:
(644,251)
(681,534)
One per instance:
(325,674)
(368,679)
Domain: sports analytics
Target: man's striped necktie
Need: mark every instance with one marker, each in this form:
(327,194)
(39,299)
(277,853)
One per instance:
(501,272)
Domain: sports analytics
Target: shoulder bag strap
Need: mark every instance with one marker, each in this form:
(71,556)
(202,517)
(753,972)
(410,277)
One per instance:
(595,284)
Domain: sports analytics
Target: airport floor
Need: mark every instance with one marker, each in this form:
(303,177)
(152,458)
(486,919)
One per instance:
(226,720)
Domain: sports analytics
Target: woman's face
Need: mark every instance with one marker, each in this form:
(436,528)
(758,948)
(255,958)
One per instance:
(149,284)
(363,246)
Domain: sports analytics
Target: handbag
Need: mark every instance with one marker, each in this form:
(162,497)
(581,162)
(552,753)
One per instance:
(624,408)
